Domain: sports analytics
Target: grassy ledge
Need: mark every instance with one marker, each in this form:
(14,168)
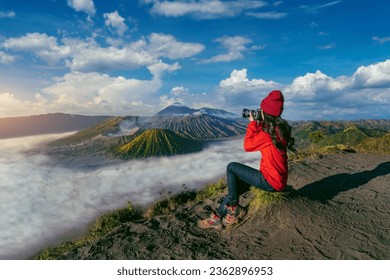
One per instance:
(262,199)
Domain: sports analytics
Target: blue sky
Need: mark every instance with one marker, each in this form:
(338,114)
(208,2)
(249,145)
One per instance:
(134,57)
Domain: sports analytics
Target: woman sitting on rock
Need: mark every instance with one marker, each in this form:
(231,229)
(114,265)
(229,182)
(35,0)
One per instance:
(269,134)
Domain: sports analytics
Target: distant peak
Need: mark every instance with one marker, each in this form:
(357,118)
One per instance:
(177,103)
(178,109)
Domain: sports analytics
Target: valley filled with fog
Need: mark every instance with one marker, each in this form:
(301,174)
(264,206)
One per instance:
(43,203)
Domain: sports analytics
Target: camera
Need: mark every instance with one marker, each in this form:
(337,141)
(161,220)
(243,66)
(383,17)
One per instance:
(255,113)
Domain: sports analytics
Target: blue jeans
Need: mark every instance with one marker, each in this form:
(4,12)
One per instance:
(239,179)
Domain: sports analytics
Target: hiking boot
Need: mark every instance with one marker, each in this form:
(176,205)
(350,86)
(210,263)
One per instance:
(234,214)
(213,222)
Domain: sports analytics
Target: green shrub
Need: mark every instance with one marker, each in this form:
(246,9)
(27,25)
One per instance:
(108,221)
(262,199)
(212,190)
(170,203)
(375,145)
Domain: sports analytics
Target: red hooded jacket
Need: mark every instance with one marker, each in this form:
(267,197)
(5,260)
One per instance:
(273,163)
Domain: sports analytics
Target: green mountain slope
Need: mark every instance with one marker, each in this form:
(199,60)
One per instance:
(348,133)
(154,143)
(110,125)
(379,145)
(350,136)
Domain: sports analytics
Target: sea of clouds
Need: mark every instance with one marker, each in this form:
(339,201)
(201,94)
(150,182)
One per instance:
(43,203)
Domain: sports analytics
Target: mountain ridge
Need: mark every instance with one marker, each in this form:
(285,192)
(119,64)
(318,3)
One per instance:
(201,127)
(104,137)
(178,109)
(100,139)
(337,132)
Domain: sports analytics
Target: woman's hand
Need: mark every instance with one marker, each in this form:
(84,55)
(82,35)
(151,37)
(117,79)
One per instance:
(251,119)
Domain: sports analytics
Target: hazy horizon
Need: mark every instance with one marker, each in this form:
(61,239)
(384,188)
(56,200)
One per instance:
(335,118)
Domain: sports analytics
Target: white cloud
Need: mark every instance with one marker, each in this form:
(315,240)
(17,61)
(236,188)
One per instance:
(88,55)
(43,46)
(373,76)
(235,46)
(381,40)
(101,94)
(10,14)
(269,15)
(10,105)
(278,3)
(163,45)
(329,4)
(318,96)
(179,91)
(95,93)
(115,21)
(86,6)
(6,58)
(177,94)
(238,90)
(315,8)
(203,9)
(159,68)
(327,47)
(238,82)
(365,94)
(91,93)
(310,85)
(86,89)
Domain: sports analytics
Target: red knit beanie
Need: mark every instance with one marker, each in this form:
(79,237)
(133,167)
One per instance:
(273,103)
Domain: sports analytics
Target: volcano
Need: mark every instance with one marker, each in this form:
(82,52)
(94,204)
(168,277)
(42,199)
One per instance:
(156,143)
